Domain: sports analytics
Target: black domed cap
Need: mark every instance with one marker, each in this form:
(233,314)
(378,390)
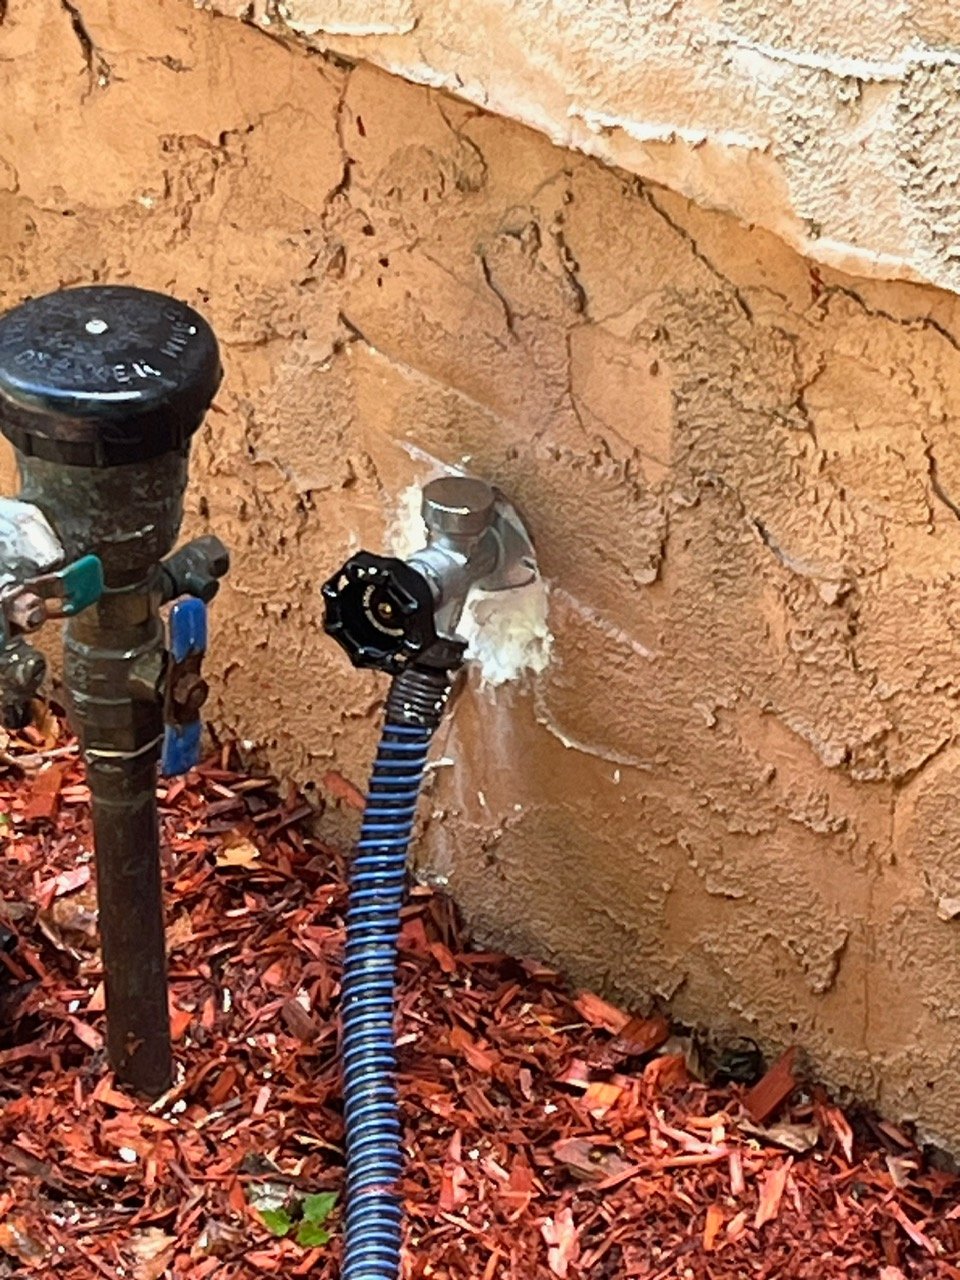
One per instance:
(104,375)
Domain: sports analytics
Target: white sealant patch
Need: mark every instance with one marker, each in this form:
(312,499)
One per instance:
(507,632)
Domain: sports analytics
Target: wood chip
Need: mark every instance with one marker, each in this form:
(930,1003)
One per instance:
(600,1013)
(537,1142)
(918,1236)
(638,1037)
(712,1227)
(343,790)
(773,1089)
(771,1193)
(560,1233)
(43,799)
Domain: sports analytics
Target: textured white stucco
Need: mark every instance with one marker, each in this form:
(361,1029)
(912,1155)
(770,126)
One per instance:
(834,123)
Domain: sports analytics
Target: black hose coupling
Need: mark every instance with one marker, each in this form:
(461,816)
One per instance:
(419,696)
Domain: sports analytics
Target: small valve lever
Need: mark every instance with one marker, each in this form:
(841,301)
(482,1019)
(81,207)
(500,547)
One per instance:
(195,570)
(28,604)
(380,611)
(186,690)
(73,589)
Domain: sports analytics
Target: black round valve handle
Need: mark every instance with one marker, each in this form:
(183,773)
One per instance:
(381,612)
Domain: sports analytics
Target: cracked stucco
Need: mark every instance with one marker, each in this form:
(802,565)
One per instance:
(735,784)
(835,125)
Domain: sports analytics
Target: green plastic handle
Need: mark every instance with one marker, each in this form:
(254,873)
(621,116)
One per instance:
(82,584)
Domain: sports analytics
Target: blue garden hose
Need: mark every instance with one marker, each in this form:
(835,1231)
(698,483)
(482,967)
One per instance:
(374,1217)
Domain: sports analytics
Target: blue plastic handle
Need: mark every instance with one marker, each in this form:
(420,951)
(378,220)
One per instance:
(188,628)
(188,636)
(181,748)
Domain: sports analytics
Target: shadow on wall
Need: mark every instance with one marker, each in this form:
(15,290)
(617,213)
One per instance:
(732,783)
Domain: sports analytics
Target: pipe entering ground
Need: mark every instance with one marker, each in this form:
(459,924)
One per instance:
(101,391)
(401,617)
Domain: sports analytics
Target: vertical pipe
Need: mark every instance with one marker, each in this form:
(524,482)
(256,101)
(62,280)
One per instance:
(130,904)
(113,664)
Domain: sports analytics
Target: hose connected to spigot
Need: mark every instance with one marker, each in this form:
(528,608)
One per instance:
(401,617)
(101,391)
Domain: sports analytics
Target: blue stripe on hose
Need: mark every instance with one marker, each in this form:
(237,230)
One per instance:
(373,1229)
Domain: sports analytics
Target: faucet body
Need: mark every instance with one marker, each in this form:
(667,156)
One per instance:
(393,614)
(101,389)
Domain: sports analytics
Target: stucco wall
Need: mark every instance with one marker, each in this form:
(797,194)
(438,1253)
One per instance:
(835,123)
(735,785)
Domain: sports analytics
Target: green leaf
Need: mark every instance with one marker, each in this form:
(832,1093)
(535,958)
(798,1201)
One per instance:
(277,1221)
(316,1209)
(312,1234)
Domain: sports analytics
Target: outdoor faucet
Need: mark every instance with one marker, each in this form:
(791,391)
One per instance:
(101,391)
(392,614)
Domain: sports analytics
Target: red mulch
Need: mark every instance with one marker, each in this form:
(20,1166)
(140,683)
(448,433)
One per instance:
(547,1135)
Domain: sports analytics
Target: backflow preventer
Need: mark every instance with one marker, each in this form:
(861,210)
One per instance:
(401,617)
(101,390)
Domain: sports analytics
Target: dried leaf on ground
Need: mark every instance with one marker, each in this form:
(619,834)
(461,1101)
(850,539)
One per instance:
(150,1250)
(17,1240)
(798,1138)
(237,851)
(585,1160)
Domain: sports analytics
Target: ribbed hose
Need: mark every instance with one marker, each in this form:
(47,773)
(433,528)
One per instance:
(374,1162)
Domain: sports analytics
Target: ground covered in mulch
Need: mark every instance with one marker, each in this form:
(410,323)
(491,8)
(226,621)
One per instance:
(548,1134)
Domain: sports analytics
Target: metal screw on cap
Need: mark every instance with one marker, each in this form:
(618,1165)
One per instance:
(458,505)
